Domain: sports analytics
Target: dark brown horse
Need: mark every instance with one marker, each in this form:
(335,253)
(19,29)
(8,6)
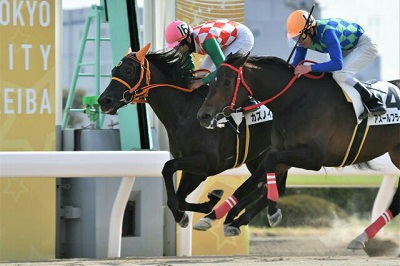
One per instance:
(160,80)
(313,126)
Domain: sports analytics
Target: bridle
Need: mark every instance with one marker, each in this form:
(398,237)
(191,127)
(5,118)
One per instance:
(135,94)
(240,80)
(138,93)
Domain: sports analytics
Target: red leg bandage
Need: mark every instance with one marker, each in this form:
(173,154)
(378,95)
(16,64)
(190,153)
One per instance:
(223,209)
(374,228)
(271,186)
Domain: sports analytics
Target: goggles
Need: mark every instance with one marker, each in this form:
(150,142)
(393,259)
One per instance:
(298,40)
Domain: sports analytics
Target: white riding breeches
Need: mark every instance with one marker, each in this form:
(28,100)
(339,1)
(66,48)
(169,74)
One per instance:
(356,59)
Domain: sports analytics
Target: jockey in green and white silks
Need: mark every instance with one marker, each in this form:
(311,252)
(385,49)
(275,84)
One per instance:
(349,49)
(215,39)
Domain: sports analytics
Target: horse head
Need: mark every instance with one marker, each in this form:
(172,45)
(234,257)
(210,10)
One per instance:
(224,93)
(128,76)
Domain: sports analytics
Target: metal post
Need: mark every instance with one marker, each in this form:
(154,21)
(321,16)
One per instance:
(117,214)
(97,51)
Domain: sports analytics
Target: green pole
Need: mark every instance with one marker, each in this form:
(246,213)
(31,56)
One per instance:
(120,42)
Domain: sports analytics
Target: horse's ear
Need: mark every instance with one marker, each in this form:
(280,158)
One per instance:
(142,52)
(128,51)
(242,59)
(229,56)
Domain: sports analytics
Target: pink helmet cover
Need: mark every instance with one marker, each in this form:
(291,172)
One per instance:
(175,32)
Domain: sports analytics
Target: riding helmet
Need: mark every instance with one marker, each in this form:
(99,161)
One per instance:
(297,23)
(175,32)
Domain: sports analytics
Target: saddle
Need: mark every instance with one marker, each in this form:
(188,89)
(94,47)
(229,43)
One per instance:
(388,92)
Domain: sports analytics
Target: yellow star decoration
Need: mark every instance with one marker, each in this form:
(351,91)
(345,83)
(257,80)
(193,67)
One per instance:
(20,37)
(221,239)
(15,188)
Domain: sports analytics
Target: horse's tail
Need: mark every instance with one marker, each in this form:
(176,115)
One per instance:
(364,166)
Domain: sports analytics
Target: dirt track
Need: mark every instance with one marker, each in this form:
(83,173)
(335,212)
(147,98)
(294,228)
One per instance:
(231,260)
(281,250)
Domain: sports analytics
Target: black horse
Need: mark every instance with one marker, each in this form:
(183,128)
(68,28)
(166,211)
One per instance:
(313,126)
(160,80)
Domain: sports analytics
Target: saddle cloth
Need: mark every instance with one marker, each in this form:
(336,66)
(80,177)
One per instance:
(260,115)
(390,95)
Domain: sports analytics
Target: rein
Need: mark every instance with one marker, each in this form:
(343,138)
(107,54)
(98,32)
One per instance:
(139,95)
(240,79)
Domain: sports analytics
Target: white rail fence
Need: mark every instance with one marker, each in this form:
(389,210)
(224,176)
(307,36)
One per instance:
(126,164)
(131,164)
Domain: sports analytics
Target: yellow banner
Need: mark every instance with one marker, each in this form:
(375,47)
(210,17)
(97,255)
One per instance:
(200,11)
(27,116)
(197,12)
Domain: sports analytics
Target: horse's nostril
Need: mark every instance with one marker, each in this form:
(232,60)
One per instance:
(103,100)
(204,117)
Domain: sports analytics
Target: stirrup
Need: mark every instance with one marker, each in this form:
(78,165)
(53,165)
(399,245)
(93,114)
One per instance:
(378,111)
(376,107)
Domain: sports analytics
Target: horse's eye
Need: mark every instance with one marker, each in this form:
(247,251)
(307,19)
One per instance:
(127,71)
(227,82)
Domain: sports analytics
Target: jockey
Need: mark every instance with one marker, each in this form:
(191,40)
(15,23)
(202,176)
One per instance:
(216,39)
(349,49)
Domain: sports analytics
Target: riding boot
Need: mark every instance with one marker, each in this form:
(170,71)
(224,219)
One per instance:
(372,102)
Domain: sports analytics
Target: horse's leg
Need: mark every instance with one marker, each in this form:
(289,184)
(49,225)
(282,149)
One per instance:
(252,167)
(308,157)
(196,164)
(394,209)
(241,193)
(233,229)
(254,197)
(243,204)
(206,223)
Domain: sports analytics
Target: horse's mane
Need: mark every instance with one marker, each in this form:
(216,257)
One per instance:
(172,65)
(267,60)
(258,60)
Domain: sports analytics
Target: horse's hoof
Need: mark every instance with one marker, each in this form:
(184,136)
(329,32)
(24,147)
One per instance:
(275,219)
(354,244)
(358,242)
(203,225)
(231,230)
(184,221)
(217,194)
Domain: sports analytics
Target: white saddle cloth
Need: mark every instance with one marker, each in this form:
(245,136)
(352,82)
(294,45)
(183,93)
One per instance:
(390,95)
